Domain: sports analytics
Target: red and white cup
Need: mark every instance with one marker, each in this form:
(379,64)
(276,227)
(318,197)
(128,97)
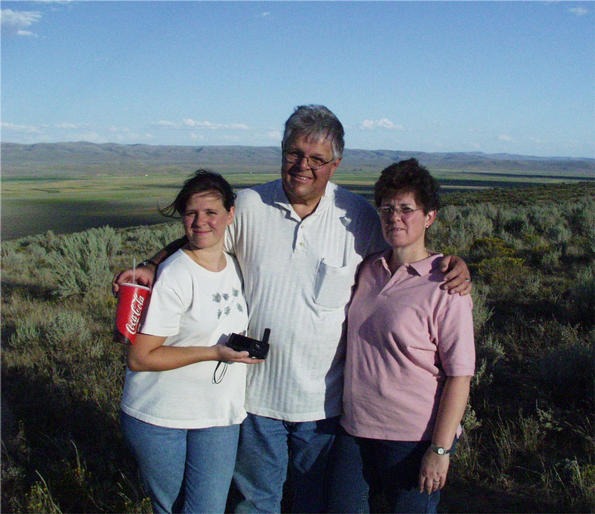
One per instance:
(132,299)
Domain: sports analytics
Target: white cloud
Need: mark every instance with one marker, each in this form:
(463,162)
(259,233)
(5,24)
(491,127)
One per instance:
(383,123)
(578,11)
(15,22)
(504,137)
(188,122)
(275,134)
(125,134)
(265,14)
(67,125)
(132,137)
(90,136)
(67,131)
(27,129)
(115,128)
(208,125)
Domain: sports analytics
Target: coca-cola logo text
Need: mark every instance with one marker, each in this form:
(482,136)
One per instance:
(136,309)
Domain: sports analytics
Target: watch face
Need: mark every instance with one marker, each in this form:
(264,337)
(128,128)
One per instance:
(439,450)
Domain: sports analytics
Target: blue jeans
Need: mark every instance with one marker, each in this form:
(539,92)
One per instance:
(183,470)
(267,447)
(361,468)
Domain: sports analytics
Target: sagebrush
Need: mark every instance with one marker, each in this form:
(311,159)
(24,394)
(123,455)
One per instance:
(528,444)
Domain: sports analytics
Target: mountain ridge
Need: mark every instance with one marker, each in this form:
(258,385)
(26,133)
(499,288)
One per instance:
(86,158)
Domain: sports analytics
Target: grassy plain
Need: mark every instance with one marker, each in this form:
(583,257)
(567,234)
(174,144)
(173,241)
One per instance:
(66,205)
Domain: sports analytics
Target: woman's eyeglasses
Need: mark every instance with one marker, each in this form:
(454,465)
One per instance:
(388,211)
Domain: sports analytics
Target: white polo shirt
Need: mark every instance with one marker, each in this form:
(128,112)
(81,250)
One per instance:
(298,276)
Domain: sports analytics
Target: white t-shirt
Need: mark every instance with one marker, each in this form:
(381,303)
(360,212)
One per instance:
(191,306)
(298,275)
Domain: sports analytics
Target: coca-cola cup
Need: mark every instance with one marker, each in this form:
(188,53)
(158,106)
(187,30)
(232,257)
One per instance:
(132,299)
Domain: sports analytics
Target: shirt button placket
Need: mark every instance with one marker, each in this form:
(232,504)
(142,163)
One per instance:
(299,239)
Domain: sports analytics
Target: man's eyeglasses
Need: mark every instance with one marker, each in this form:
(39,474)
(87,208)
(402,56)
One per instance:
(388,211)
(293,157)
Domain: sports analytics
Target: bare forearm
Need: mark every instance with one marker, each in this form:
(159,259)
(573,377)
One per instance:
(434,467)
(450,412)
(172,247)
(149,354)
(163,358)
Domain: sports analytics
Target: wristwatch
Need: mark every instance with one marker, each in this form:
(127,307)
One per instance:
(439,450)
(147,262)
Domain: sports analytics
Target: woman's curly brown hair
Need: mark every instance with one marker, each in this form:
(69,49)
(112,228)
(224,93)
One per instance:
(408,175)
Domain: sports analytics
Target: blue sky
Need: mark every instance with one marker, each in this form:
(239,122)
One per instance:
(514,77)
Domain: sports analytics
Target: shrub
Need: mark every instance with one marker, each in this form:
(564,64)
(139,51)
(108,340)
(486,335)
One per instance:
(566,374)
(517,225)
(581,218)
(542,217)
(558,234)
(500,270)
(486,248)
(550,259)
(580,301)
(479,225)
(482,312)
(489,352)
(68,334)
(81,261)
(39,499)
(26,334)
(578,482)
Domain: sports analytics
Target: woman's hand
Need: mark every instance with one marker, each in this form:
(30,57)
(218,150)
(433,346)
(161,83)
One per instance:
(143,275)
(457,278)
(227,354)
(433,471)
(149,354)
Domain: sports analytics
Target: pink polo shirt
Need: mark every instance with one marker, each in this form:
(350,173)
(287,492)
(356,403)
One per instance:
(405,335)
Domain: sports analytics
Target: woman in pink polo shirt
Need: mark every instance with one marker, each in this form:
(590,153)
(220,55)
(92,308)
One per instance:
(410,358)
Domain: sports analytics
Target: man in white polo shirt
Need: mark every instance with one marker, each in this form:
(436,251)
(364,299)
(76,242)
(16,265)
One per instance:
(298,241)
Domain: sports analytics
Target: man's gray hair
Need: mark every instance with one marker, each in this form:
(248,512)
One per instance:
(317,122)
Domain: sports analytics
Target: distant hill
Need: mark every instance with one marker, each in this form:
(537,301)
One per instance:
(85,159)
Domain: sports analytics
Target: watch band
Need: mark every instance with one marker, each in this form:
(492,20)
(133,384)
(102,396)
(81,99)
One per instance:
(439,449)
(146,262)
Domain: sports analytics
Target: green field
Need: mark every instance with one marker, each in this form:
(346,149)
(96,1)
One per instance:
(31,206)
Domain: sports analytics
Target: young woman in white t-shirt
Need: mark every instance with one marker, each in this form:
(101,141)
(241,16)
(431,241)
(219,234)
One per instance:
(183,398)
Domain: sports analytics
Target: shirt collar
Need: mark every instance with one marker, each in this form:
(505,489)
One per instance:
(280,198)
(421,268)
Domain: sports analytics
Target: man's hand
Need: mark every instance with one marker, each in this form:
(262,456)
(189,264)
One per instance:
(143,275)
(458,278)
(227,354)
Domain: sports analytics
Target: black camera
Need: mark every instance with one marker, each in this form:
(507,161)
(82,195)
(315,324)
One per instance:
(257,349)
